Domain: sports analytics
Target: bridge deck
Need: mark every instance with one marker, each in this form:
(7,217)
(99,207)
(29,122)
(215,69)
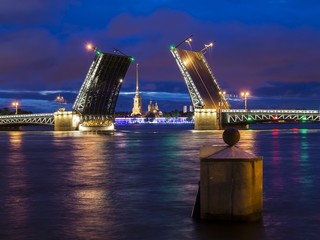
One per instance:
(100,89)
(203,88)
(27,119)
(238,116)
(229,117)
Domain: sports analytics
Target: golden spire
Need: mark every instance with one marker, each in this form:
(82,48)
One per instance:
(137,79)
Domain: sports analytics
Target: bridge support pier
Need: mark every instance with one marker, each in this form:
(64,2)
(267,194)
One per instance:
(206,119)
(231,182)
(66,121)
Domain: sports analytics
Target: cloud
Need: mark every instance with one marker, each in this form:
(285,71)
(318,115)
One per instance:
(260,45)
(15,13)
(245,56)
(294,90)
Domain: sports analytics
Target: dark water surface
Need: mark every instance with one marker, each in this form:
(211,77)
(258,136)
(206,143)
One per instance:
(141,183)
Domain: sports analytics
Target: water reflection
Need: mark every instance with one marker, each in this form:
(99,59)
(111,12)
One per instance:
(90,197)
(141,183)
(247,141)
(306,179)
(16,203)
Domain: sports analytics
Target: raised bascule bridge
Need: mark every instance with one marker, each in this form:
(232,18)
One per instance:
(95,104)
(97,98)
(94,107)
(205,93)
(211,109)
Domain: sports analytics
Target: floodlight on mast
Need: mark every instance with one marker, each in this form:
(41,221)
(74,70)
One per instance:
(206,46)
(91,47)
(187,40)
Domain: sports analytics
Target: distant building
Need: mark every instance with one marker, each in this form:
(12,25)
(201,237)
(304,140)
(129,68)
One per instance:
(185,109)
(190,108)
(153,110)
(137,100)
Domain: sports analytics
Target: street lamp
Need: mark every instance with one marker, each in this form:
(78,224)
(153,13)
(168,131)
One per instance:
(206,46)
(245,95)
(16,104)
(222,94)
(188,41)
(91,47)
(60,100)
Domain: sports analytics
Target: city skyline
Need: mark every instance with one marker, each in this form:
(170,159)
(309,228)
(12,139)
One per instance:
(265,47)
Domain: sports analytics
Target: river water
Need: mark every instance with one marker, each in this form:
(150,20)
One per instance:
(141,183)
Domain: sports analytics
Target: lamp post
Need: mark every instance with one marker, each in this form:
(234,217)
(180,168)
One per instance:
(206,46)
(16,104)
(60,100)
(222,94)
(245,95)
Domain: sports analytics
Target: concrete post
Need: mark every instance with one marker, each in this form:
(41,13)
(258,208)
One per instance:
(231,183)
(205,119)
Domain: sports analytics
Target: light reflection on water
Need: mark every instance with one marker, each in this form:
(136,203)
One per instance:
(16,171)
(141,182)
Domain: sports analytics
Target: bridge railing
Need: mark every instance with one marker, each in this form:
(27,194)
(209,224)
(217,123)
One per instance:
(27,119)
(27,115)
(236,116)
(270,111)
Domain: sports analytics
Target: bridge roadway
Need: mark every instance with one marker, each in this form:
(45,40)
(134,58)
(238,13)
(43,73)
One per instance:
(228,116)
(27,119)
(243,116)
(48,119)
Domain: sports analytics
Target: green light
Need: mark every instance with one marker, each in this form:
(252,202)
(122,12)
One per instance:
(172,47)
(250,118)
(304,131)
(98,52)
(304,118)
(131,59)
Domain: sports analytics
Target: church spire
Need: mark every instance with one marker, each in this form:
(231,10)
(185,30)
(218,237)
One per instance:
(137,101)
(137,79)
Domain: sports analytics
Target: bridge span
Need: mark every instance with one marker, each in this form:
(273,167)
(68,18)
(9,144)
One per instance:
(94,108)
(27,119)
(229,117)
(61,120)
(211,108)
(245,116)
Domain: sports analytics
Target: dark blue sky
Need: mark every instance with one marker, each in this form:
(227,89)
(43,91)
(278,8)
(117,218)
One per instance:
(269,47)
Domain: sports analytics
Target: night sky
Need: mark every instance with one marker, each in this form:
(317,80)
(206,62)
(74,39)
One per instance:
(269,47)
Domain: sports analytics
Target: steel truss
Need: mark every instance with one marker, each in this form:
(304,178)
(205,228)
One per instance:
(235,116)
(195,96)
(81,99)
(214,80)
(27,119)
(100,90)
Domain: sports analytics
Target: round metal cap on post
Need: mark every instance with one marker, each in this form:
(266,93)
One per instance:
(231,136)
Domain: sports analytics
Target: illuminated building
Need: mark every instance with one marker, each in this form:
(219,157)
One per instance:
(185,109)
(153,110)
